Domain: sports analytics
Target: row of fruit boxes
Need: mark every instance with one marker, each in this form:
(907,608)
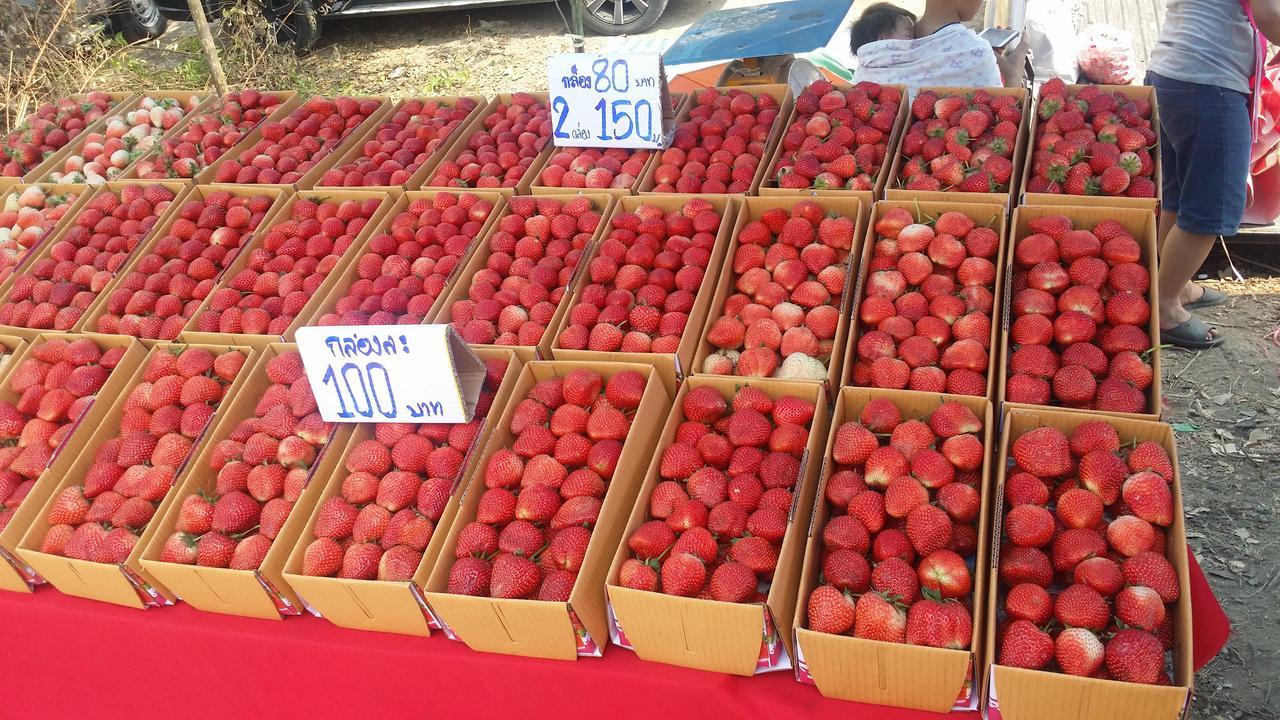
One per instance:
(694,351)
(731,641)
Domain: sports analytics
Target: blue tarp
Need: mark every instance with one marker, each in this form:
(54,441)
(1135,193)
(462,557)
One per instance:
(774,29)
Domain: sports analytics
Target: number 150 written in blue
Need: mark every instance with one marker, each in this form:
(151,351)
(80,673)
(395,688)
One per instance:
(619,119)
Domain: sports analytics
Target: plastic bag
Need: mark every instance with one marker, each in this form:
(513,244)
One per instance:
(1051,38)
(1106,55)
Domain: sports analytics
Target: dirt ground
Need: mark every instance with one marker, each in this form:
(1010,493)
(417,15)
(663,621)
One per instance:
(1224,403)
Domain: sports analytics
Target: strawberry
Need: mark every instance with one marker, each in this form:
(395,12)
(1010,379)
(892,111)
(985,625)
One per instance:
(1082,606)
(830,610)
(1078,651)
(875,618)
(1028,601)
(683,574)
(1043,452)
(1151,569)
(1135,656)
(1025,646)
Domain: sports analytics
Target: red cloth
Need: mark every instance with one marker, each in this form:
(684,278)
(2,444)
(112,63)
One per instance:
(63,656)
(66,657)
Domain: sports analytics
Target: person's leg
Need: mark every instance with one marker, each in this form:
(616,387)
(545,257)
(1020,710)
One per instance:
(1167,220)
(1182,256)
(1213,161)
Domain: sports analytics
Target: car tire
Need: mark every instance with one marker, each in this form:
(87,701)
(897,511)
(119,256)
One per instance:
(620,17)
(297,24)
(137,20)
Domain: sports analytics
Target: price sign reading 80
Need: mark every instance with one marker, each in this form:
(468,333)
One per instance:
(396,373)
(607,101)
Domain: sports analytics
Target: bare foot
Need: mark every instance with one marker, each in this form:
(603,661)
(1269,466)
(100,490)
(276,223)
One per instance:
(1190,293)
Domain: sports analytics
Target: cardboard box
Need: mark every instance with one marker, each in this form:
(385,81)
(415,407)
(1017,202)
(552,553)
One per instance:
(1141,223)
(896,674)
(769,185)
(368,132)
(737,638)
(379,605)
(1142,92)
(284,213)
(1007,198)
(129,583)
(44,249)
(1018,694)
(260,593)
(463,134)
(752,209)
(536,628)
(988,214)
(11,348)
(308,180)
(350,273)
(121,101)
(780,93)
(461,285)
(82,196)
(672,367)
(15,574)
(288,101)
(89,321)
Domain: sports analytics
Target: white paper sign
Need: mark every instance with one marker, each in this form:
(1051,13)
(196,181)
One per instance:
(391,373)
(618,100)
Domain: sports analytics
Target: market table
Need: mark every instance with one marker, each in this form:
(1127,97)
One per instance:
(67,657)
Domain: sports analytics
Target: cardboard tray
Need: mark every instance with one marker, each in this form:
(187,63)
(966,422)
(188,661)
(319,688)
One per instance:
(75,146)
(752,209)
(1143,92)
(459,146)
(780,93)
(89,321)
(12,348)
(989,214)
(288,101)
(423,173)
(769,186)
(1006,198)
(1025,694)
(83,192)
(671,367)
(895,674)
(1141,223)
(179,189)
(282,214)
(311,177)
(709,634)
(461,284)
(350,274)
(257,593)
(387,606)
(122,101)
(127,583)
(536,628)
(15,574)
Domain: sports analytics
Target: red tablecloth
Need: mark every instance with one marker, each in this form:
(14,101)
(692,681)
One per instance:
(63,657)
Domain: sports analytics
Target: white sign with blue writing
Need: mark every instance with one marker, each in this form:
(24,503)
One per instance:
(391,373)
(603,100)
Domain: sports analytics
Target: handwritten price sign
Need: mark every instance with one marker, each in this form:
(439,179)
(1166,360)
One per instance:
(609,100)
(391,373)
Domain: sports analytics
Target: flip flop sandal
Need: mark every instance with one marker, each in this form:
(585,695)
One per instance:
(1209,298)
(1191,335)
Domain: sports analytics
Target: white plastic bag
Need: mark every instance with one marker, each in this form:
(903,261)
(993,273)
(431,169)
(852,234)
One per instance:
(1107,55)
(1051,38)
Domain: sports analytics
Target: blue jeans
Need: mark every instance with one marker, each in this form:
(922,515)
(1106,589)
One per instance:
(1205,140)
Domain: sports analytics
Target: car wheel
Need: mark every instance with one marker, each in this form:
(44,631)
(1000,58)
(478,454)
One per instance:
(298,23)
(137,20)
(621,17)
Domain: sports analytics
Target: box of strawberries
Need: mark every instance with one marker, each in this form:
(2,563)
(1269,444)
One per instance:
(707,577)
(1088,609)
(894,574)
(1094,146)
(1082,326)
(522,568)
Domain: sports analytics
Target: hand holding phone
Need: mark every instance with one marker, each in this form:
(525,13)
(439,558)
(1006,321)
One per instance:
(1000,38)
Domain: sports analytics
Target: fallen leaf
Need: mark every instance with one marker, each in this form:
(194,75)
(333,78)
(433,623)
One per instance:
(1242,533)
(1258,435)
(397,72)
(1184,427)
(1221,399)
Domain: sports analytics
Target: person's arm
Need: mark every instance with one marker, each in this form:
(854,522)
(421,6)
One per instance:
(1267,14)
(1012,62)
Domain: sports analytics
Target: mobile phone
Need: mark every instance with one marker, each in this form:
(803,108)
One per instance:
(999,38)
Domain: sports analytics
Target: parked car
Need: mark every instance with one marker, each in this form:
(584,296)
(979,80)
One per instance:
(301,20)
